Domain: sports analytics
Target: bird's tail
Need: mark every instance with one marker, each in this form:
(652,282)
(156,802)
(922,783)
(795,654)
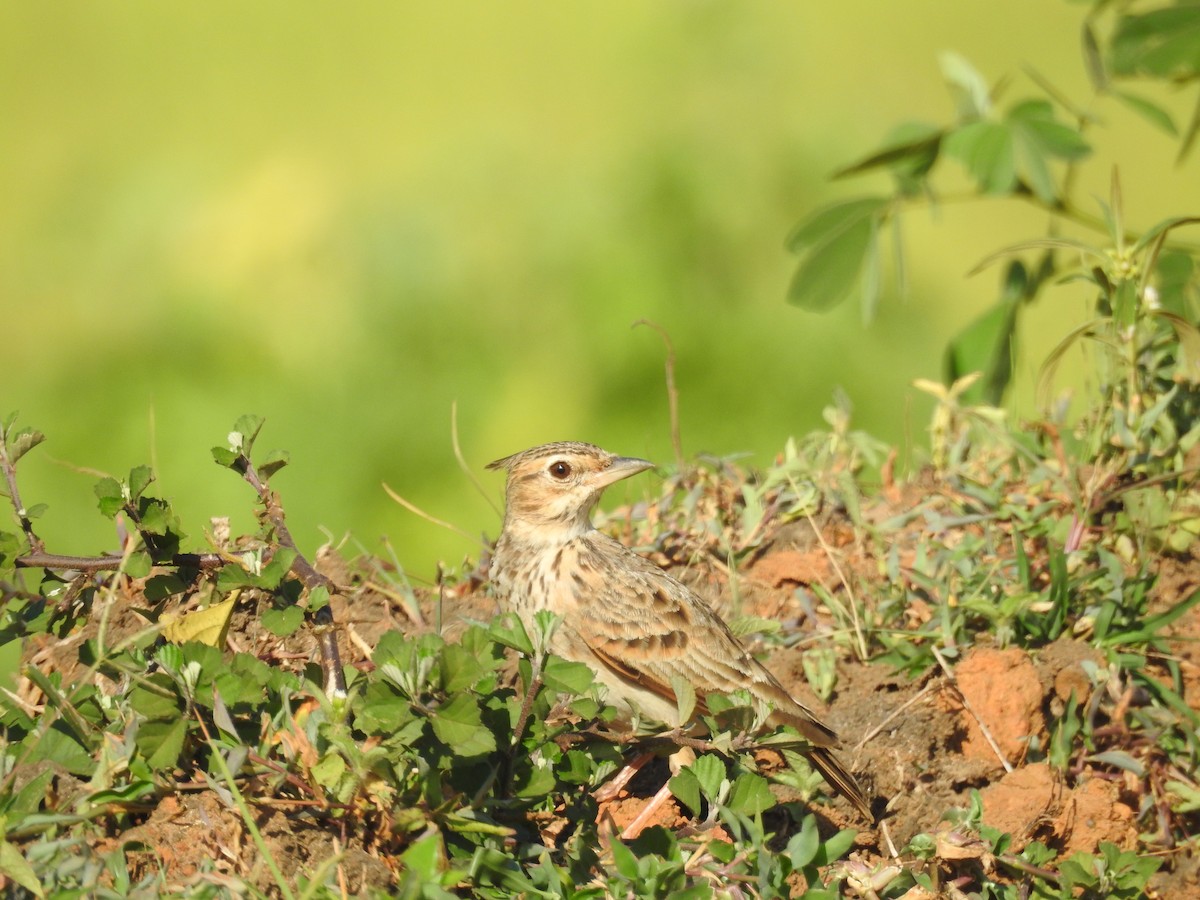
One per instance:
(839,779)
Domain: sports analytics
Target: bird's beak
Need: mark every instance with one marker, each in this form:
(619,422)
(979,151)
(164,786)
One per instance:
(621,467)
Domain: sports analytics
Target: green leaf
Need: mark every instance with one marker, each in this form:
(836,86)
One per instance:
(123,794)
(836,847)
(139,479)
(275,461)
(685,697)
(576,767)
(1119,759)
(626,862)
(709,770)
(245,433)
(329,770)
(22,442)
(318,599)
(537,781)
(986,345)
(803,847)
(383,712)
(156,517)
(1093,59)
(111,496)
(1151,112)
(161,742)
(750,795)
(283,622)
(160,703)
(460,669)
(1164,43)
(1162,228)
(32,795)
(1036,119)
(831,221)
(425,857)
(457,724)
(1033,165)
(10,548)
(277,569)
(234,576)
(686,789)
(567,677)
(139,564)
(910,152)
(834,244)
(162,586)
(1150,629)
(971,93)
(1188,358)
(14,865)
(510,631)
(744,625)
(226,457)
(59,746)
(986,149)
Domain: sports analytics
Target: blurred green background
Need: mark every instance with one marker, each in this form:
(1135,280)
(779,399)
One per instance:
(348,220)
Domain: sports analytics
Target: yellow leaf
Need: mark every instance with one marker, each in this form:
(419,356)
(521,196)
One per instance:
(208,625)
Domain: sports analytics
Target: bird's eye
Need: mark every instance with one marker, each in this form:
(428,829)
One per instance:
(560,469)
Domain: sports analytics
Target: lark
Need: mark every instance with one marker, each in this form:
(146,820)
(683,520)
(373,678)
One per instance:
(636,626)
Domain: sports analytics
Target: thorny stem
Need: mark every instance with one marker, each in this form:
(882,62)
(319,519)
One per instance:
(535,685)
(324,626)
(111,562)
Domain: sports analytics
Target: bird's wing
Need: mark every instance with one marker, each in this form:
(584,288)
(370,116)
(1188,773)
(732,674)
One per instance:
(649,628)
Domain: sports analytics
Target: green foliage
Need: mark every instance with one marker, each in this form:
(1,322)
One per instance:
(433,750)
(1111,873)
(156,523)
(1018,152)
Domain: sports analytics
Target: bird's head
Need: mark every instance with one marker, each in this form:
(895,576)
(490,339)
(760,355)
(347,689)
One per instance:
(552,489)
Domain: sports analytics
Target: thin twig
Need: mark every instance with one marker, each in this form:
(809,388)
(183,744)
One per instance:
(111,562)
(672,391)
(535,685)
(462,463)
(896,712)
(887,838)
(322,619)
(862,642)
(416,510)
(1029,869)
(967,706)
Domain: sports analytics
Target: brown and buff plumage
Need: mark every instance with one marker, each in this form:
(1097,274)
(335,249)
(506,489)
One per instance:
(631,622)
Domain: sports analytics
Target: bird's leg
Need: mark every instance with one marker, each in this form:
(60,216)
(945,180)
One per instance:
(616,784)
(682,757)
(612,787)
